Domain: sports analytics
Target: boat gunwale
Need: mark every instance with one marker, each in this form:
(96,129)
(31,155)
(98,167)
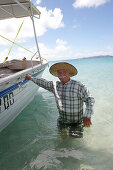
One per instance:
(21,73)
(16,85)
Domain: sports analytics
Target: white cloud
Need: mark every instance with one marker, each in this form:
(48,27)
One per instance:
(38,2)
(49,19)
(88,3)
(86,54)
(75,26)
(15,54)
(61,42)
(62,51)
(61,45)
(109,47)
(55,53)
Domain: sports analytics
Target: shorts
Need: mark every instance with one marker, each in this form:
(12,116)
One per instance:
(72,129)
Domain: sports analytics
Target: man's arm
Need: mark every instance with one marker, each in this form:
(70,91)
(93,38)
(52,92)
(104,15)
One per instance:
(89,102)
(48,85)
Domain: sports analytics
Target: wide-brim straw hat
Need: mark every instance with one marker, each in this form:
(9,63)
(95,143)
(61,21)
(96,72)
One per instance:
(63,66)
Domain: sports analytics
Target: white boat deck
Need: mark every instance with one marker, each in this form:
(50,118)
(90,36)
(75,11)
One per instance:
(14,66)
(4,72)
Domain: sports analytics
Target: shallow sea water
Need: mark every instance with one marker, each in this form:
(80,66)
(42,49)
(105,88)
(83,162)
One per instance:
(32,140)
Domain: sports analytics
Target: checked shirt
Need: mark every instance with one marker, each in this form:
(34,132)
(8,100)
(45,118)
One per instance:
(70,99)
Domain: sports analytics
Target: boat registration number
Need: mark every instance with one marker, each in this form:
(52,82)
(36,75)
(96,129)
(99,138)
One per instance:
(6,101)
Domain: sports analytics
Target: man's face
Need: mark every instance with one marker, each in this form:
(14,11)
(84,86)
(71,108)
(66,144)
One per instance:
(63,75)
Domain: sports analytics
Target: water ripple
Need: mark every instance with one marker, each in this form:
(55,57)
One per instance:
(50,158)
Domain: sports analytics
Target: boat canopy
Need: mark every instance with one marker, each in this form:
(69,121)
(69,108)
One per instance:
(16,9)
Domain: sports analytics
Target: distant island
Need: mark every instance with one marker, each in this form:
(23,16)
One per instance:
(99,56)
(91,57)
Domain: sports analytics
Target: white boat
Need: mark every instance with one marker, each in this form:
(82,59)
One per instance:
(16,92)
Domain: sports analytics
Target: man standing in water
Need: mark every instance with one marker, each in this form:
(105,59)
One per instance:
(70,96)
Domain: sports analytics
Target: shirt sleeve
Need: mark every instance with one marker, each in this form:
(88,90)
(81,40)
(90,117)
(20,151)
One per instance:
(48,85)
(88,100)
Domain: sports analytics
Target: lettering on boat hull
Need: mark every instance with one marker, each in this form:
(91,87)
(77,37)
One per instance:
(7,101)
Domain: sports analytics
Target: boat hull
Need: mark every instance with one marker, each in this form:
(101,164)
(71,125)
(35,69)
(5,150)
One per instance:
(16,96)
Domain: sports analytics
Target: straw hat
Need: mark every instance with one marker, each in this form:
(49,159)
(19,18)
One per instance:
(63,66)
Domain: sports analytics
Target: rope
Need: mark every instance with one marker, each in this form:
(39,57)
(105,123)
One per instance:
(14,41)
(18,46)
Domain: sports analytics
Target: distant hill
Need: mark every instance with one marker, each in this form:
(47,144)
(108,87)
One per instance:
(100,56)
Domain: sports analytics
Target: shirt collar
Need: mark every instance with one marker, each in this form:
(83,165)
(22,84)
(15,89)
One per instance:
(67,82)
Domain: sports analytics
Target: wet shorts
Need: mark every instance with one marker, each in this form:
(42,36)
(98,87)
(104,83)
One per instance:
(73,129)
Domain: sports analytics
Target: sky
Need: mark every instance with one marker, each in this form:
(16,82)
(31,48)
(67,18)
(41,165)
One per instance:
(67,29)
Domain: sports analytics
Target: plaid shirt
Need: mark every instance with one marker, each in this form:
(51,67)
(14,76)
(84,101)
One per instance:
(70,98)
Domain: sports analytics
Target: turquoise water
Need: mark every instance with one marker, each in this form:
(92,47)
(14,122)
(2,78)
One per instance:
(32,140)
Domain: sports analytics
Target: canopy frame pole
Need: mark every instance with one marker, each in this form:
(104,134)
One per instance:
(35,31)
(32,58)
(32,18)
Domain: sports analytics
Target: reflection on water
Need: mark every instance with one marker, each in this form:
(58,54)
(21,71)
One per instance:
(52,157)
(32,141)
